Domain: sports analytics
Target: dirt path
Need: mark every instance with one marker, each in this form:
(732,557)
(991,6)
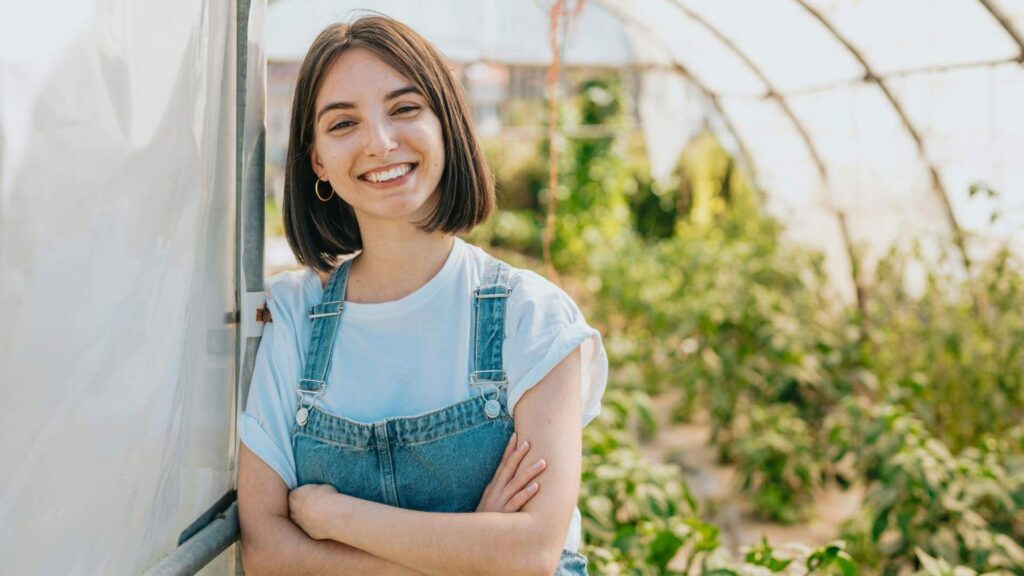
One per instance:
(716,486)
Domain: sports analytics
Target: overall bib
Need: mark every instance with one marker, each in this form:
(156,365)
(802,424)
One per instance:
(439,461)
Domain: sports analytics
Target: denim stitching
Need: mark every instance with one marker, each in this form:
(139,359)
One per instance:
(332,442)
(326,425)
(432,440)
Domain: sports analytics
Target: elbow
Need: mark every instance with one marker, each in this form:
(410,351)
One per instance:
(545,562)
(524,557)
(254,559)
(538,557)
(250,561)
(540,549)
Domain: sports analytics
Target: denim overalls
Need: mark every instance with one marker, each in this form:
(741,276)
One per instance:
(440,461)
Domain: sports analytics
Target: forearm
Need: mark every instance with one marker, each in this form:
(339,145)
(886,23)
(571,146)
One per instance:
(438,543)
(287,550)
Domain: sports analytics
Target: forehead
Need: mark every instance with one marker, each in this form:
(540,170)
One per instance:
(359,75)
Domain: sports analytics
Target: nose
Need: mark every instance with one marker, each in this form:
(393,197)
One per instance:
(380,140)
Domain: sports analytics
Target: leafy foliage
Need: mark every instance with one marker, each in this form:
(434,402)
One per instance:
(966,508)
(918,394)
(779,461)
(641,519)
(953,355)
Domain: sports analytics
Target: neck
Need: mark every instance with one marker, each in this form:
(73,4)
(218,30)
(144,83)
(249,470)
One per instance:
(394,264)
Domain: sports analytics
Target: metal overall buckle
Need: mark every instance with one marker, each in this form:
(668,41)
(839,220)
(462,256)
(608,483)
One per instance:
(302,415)
(492,407)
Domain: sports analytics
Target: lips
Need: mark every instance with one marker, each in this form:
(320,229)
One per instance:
(388,172)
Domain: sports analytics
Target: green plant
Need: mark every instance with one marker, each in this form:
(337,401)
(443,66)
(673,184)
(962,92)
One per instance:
(516,230)
(779,462)
(953,353)
(965,509)
(918,393)
(642,520)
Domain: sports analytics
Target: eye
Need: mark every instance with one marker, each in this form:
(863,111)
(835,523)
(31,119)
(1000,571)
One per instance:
(407,109)
(342,124)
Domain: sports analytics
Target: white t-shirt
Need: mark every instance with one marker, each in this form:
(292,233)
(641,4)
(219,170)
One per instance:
(382,369)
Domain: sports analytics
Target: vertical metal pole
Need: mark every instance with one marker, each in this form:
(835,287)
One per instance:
(250,157)
(250,160)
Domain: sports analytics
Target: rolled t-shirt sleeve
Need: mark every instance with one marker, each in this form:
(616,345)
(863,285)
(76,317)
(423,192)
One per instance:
(543,325)
(270,408)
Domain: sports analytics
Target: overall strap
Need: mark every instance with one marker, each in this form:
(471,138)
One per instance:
(325,317)
(489,330)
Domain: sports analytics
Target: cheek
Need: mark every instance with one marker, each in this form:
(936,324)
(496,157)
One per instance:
(437,145)
(334,155)
(431,140)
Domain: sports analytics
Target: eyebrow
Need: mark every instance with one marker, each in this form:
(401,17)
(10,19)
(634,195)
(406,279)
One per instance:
(351,105)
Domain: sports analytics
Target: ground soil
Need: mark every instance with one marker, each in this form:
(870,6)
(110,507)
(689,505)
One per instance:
(716,487)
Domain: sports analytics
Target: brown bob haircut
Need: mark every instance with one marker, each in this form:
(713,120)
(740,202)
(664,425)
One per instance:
(320,232)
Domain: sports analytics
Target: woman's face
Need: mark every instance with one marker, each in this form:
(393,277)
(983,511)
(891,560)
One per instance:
(377,140)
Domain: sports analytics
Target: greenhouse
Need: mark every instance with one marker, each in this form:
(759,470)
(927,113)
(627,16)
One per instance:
(796,225)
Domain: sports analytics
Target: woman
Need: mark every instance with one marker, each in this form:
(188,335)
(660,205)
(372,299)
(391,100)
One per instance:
(396,394)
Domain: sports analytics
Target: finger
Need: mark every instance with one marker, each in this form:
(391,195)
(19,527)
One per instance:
(500,470)
(512,466)
(524,475)
(521,498)
(510,446)
(482,505)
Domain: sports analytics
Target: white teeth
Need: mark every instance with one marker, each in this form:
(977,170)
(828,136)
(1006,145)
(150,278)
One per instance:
(396,172)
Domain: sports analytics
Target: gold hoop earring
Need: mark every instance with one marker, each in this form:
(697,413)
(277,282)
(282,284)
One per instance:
(316,190)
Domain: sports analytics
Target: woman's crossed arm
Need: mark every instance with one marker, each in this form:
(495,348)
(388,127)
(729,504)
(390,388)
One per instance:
(273,544)
(351,536)
(527,542)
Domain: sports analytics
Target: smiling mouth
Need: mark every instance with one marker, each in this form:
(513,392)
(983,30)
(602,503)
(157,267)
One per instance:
(394,173)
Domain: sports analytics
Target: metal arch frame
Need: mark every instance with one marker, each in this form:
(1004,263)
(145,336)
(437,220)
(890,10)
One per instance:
(1007,26)
(682,70)
(871,76)
(829,86)
(770,91)
(773,94)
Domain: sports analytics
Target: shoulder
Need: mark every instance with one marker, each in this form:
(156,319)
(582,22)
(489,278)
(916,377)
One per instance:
(291,293)
(537,304)
(292,283)
(522,281)
(528,284)
(534,299)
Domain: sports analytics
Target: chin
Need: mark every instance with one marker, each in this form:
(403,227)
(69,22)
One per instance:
(407,212)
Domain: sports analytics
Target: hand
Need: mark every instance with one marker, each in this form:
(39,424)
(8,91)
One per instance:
(510,488)
(309,508)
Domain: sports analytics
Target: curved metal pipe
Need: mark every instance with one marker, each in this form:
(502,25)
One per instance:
(682,70)
(773,94)
(871,76)
(1007,25)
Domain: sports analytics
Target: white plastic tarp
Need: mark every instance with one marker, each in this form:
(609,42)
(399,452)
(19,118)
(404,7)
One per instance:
(836,106)
(117,254)
(792,83)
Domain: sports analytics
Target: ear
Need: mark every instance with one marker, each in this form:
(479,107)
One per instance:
(318,166)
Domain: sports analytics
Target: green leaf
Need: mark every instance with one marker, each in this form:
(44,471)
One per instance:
(663,548)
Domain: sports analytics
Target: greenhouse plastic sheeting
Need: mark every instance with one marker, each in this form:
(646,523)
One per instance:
(509,31)
(879,112)
(884,113)
(117,246)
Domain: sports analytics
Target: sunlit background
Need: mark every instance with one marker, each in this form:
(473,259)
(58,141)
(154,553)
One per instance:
(798,225)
